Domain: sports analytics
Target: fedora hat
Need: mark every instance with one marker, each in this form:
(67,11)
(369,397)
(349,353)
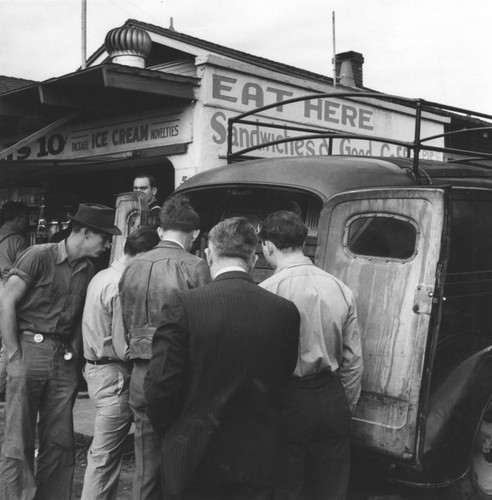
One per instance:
(98,217)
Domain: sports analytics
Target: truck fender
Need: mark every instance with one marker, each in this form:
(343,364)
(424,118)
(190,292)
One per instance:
(454,414)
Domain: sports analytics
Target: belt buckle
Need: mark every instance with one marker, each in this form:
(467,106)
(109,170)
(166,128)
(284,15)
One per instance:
(38,338)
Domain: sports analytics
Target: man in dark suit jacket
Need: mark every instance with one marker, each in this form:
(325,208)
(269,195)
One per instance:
(219,360)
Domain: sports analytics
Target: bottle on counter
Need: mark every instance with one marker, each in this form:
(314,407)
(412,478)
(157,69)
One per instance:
(42,235)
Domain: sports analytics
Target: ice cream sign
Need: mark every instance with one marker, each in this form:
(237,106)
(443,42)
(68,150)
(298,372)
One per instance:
(100,138)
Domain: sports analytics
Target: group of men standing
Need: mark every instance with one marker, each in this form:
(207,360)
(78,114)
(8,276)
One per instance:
(237,391)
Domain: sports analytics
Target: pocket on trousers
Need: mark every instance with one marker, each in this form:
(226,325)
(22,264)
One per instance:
(104,382)
(16,356)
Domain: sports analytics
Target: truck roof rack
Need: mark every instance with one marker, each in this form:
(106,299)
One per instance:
(471,122)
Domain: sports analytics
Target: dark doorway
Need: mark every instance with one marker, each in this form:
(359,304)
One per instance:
(100,184)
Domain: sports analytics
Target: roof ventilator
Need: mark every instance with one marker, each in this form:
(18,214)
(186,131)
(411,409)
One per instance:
(128,45)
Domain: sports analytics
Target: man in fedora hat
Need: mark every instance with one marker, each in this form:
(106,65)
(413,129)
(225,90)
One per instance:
(40,314)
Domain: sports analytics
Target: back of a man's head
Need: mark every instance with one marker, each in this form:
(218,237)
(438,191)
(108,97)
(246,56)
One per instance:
(178,215)
(234,238)
(13,209)
(141,240)
(285,230)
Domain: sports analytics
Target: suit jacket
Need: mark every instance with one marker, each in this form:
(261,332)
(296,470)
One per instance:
(219,359)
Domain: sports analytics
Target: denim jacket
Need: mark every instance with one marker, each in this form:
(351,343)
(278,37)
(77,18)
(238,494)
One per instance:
(146,286)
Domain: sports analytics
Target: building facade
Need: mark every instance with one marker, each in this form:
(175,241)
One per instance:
(158,101)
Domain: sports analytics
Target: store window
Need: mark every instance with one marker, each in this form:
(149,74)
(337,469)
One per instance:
(387,236)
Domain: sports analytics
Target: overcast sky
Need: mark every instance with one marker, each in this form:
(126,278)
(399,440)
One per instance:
(438,50)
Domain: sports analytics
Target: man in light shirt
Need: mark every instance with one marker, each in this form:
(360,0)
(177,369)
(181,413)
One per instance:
(326,382)
(108,370)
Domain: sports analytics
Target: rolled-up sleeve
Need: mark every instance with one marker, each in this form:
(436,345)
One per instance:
(120,345)
(27,266)
(352,365)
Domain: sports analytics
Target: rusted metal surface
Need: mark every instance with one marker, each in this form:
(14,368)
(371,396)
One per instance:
(394,300)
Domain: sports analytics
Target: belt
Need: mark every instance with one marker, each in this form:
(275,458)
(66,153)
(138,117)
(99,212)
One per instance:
(313,379)
(103,361)
(39,337)
(325,373)
(140,361)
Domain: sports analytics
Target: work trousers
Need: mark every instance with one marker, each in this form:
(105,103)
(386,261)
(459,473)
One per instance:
(3,372)
(147,482)
(108,386)
(3,357)
(39,381)
(316,424)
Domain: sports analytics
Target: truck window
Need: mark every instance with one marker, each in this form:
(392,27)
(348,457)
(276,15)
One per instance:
(471,233)
(255,203)
(465,322)
(386,236)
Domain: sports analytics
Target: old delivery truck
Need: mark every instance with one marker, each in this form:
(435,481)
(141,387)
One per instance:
(413,239)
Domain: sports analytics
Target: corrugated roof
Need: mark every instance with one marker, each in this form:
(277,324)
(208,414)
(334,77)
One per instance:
(9,83)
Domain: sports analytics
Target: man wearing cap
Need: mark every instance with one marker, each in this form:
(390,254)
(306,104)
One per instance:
(146,288)
(40,314)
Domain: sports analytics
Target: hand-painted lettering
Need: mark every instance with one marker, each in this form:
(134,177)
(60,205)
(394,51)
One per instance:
(252,94)
(331,109)
(217,125)
(222,84)
(280,95)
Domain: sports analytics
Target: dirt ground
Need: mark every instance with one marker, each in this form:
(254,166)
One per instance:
(362,487)
(82,445)
(126,477)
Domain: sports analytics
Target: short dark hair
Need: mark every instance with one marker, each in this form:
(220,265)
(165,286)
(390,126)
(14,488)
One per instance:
(152,181)
(284,229)
(178,215)
(141,240)
(13,209)
(234,238)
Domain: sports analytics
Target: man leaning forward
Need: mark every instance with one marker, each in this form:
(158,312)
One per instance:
(40,322)
(108,370)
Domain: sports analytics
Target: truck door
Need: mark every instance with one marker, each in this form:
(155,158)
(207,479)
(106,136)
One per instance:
(387,246)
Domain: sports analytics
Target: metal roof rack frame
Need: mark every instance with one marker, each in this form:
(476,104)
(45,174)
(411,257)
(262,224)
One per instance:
(418,144)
